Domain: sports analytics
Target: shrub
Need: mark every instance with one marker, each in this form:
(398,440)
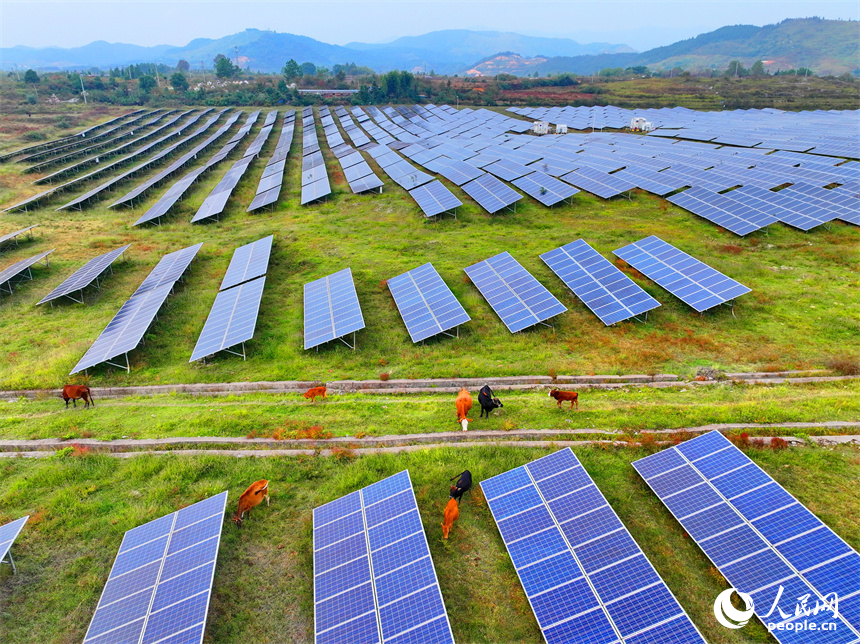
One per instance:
(844,365)
(384,376)
(777,443)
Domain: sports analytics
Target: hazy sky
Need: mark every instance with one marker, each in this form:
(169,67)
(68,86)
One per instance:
(640,24)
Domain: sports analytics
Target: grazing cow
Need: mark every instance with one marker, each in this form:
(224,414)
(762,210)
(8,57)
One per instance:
(452,513)
(75,392)
(487,401)
(311,394)
(572,396)
(252,497)
(463,484)
(464,404)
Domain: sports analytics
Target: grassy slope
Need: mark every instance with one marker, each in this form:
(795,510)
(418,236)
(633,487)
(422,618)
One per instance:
(81,507)
(802,309)
(267,415)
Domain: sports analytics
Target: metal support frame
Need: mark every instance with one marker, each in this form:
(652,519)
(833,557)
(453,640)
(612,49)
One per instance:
(126,366)
(11,562)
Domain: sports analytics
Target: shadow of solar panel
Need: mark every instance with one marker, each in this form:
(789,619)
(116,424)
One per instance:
(723,210)
(84,276)
(762,540)
(14,270)
(426,304)
(232,319)
(159,587)
(434,198)
(491,194)
(585,577)
(374,579)
(609,293)
(249,262)
(547,190)
(331,308)
(8,533)
(169,269)
(688,279)
(513,293)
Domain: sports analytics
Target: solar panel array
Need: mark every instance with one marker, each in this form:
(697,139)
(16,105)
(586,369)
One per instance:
(434,198)
(374,579)
(315,183)
(513,293)
(724,211)
(585,577)
(8,533)
(249,262)
(403,173)
(426,304)
(609,293)
(159,587)
(127,328)
(688,279)
(19,268)
(13,237)
(762,540)
(546,189)
(84,276)
(491,194)
(269,188)
(331,309)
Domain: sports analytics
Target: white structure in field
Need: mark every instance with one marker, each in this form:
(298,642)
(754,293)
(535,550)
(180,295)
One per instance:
(560,128)
(540,127)
(639,124)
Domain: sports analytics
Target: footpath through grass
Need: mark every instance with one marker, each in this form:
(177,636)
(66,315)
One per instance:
(81,506)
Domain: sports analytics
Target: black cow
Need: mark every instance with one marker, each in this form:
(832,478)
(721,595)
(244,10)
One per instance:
(463,484)
(488,401)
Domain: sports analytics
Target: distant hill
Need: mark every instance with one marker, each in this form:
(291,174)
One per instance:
(825,46)
(445,52)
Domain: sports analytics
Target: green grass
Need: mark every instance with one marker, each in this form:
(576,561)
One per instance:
(625,410)
(803,308)
(81,506)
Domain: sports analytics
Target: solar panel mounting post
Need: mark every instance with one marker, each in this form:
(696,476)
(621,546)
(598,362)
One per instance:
(11,562)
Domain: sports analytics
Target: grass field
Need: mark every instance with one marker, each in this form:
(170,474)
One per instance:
(284,416)
(81,506)
(802,312)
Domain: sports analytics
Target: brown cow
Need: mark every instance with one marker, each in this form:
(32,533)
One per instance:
(311,394)
(572,396)
(452,513)
(252,497)
(464,404)
(76,392)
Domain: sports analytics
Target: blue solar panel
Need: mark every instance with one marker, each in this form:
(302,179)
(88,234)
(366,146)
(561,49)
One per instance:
(374,579)
(159,587)
(425,302)
(169,269)
(491,194)
(8,533)
(759,536)
(515,295)
(694,282)
(723,210)
(609,293)
(17,270)
(331,308)
(434,198)
(232,319)
(548,190)
(84,276)
(585,577)
(249,262)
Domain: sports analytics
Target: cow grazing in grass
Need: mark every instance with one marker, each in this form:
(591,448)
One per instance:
(78,392)
(251,498)
(572,396)
(464,404)
(311,394)
(452,513)
(487,401)
(463,484)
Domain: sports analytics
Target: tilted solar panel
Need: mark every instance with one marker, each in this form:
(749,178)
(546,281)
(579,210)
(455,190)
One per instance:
(426,304)
(491,194)
(374,580)
(609,293)
(232,319)
(14,236)
(248,262)
(585,577)
(316,190)
(688,279)
(331,308)
(169,268)
(548,190)
(513,293)
(8,533)
(762,540)
(724,211)
(85,275)
(159,587)
(18,268)
(434,198)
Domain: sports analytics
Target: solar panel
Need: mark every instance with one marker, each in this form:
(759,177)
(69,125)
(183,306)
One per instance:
(434,198)
(8,533)
(169,268)
(249,262)
(547,190)
(13,237)
(19,268)
(374,579)
(331,309)
(724,211)
(688,279)
(791,210)
(84,276)
(491,194)
(231,321)
(600,183)
(159,587)
(426,304)
(609,293)
(316,190)
(513,293)
(507,169)
(457,172)
(585,577)
(762,540)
